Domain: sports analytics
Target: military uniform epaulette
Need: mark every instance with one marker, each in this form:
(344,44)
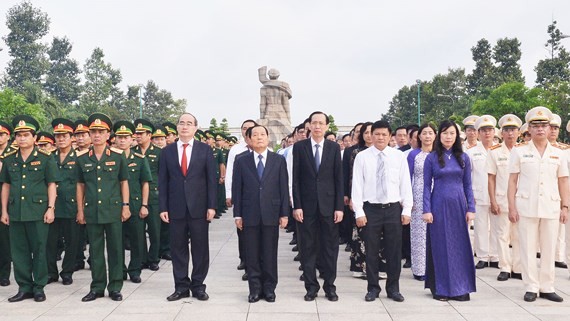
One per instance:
(43,151)
(81,152)
(116,150)
(139,155)
(12,152)
(496,146)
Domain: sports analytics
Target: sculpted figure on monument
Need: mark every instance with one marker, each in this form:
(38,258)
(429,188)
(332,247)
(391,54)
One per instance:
(275,95)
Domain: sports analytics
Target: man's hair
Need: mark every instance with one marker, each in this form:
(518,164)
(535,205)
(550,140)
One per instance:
(187,113)
(411,128)
(401,127)
(249,121)
(330,133)
(249,131)
(319,113)
(383,124)
(345,135)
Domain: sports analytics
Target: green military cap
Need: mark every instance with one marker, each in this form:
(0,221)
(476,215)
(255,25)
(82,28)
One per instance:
(25,123)
(143,125)
(170,127)
(209,134)
(199,134)
(159,131)
(124,128)
(6,128)
(81,126)
(62,126)
(220,136)
(99,121)
(44,138)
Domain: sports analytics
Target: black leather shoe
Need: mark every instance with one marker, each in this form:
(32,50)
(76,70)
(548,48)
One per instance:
(136,279)
(201,295)
(407,264)
(461,298)
(295,248)
(551,296)
(91,296)
(166,256)
(39,297)
(21,296)
(252,298)
(561,265)
(177,295)
(79,266)
(116,296)
(347,248)
(66,280)
(153,266)
(4,282)
(270,297)
(530,297)
(244,277)
(396,296)
(481,265)
(371,296)
(52,279)
(331,296)
(440,297)
(516,275)
(241,265)
(503,276)
(494,265)
(293,241)
(310,296)
(297,258)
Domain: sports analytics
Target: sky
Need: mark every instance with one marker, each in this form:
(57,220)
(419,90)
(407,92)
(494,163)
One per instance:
(346,58)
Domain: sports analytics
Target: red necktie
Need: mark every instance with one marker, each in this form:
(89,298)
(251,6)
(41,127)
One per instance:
(183,164)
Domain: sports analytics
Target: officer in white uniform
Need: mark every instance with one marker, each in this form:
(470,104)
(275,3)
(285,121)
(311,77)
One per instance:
(498,169)
(538,201)
(485,242)
(470,132)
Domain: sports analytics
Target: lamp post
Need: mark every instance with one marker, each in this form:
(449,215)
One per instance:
(419,82)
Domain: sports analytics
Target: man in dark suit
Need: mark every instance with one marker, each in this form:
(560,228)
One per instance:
(187,198)
(260,193)
(318,205)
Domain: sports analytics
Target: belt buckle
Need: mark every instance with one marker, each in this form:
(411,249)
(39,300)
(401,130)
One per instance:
(386,205)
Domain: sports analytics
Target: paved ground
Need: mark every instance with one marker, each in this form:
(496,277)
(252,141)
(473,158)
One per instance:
(228,296)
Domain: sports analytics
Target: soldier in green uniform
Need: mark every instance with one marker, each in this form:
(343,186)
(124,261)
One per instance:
(220,145)
(143,132)
(5,257)
(159,139)
(139,178)
(220,169)
(159,136)
(65,206)
(83,142)
(103,204)
(46,141)
(29,177)
(171,133)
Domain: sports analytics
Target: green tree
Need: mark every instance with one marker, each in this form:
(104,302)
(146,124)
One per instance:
(224,126)
(62,81)
(481,80)
(159,104)
(555,68)
(332,126)
(15,104)
(27,25)
(511,98)
(214,125)
(507,53)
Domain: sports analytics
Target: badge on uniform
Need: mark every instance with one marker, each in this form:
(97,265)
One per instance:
(88,165)
(527,156)
(110,163)
(554,157)
(39,162)
(71,163)
(132,164)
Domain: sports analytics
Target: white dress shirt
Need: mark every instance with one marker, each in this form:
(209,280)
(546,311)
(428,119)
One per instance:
(321,146)
(256,158)
(396,172)
(188,151)
(234,151)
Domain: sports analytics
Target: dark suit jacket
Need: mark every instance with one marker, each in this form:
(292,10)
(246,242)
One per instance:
(324,188)
(347,154)
(260,202)
(196,192)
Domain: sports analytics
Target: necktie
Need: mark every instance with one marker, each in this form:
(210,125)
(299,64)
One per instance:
(317,157)
(183,164)
(380,179)
(260,166)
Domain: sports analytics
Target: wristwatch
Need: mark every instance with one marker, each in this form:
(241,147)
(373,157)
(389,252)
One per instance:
(125,204)
(145,206)
(53,207)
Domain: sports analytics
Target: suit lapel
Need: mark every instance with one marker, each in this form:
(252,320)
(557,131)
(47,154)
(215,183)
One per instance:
(309,148)
(269,164)
(252,164)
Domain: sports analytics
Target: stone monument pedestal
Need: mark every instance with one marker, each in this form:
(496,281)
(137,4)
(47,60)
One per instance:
(277,130)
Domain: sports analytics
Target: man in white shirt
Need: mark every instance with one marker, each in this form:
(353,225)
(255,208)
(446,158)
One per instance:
(382,202)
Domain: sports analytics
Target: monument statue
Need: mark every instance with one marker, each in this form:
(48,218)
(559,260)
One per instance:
(274,108)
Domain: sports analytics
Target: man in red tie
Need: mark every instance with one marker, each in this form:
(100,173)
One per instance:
(187,198)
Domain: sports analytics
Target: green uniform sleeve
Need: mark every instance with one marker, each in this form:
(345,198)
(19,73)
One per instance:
(79,171)
(146,176)
(4,177)
(51,170)
(123,168)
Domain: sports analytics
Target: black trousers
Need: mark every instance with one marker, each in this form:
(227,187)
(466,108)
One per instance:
(197,230)
(345,226)
(261,257)
(385,222)
(318,233)
(406,243)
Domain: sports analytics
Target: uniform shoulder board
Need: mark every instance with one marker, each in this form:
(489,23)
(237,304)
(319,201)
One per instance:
(495,146)
(81,152)
(43,151)
(116,150)
(139,155)
(12,152)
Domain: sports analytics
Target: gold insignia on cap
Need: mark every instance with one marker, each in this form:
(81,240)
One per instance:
(80,126)
(123,127)
(539,113)
(509,119)
(485,119)
(60,126)
(140,125)
(158,131)
(22,123)
(167,128)
(97,121)
(42,138)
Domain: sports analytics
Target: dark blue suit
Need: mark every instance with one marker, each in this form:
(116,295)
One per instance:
(260,203)
(187,199)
